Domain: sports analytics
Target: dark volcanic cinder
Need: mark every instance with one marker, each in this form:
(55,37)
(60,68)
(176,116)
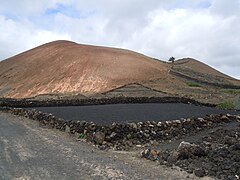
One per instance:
(123,113)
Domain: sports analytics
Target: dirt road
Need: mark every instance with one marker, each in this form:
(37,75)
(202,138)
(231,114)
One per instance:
(28,151)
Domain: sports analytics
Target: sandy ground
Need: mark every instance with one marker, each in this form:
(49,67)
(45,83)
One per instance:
(28,151)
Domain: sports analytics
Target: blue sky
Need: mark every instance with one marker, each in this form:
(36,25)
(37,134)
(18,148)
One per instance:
(68,10)
(207,30)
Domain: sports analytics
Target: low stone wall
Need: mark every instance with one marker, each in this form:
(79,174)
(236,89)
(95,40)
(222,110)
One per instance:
(124,136)
(115,100)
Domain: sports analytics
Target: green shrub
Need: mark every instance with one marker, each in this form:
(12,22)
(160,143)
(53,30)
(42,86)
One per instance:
(226,105)
(193,84)
(81,136)
(130,136)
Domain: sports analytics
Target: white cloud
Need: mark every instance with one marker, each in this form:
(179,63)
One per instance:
(225,8)
(19,36)
(207,30)
(88,30)
(42,36)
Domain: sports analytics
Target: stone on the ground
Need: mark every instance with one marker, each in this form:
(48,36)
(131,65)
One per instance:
(98,137)
(150,154)
(224,118)
(186,150)
(67,129)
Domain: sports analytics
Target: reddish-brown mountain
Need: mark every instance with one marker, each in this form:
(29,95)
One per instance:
(64,67)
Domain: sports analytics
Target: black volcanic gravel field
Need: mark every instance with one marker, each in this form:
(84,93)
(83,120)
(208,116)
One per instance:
(121,113)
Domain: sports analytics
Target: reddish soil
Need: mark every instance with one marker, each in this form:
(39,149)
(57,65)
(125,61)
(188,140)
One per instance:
(64,66)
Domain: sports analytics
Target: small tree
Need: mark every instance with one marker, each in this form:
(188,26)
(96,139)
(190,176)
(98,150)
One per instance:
(172,59)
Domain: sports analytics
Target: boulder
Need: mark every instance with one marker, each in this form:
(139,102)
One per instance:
(186,150)
(67,129)
(98,137)
(224,118)
(152,155)
(133,125)
(112,135)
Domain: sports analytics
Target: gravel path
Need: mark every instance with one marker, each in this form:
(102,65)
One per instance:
(28,151)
